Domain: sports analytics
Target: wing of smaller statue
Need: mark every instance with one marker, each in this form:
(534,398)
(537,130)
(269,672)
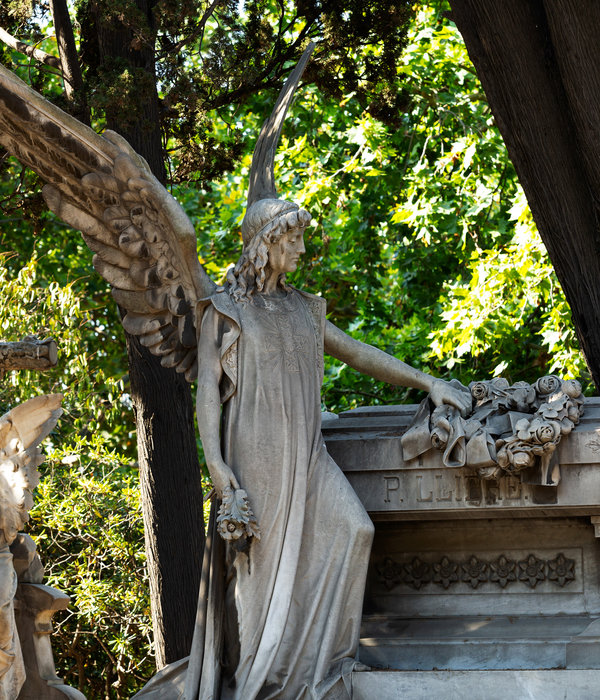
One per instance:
(144,244)
(21,432)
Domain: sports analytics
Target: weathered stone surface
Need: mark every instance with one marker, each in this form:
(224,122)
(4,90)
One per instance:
(491,642)
(35,605)
(29,353)
(469,573)
(366,444)
(510,429)
(26,606)
(491,685)
(21,431)
(26,561)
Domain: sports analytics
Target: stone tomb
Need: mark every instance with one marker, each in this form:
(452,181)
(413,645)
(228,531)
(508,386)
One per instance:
(470,577)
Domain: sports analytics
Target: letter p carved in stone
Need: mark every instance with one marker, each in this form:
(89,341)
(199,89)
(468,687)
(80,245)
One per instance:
(391,484)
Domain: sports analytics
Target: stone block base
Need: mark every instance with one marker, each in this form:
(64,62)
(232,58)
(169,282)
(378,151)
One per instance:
(483,685)
(481,643)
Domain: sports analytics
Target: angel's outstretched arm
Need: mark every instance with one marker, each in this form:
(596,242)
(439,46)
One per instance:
(378,364)
(208,404)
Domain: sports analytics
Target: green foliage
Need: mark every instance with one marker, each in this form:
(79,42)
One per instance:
(30,304)
(406,223)
(87,515)
(112,91)
(87,524)
(422,244)
(511,308)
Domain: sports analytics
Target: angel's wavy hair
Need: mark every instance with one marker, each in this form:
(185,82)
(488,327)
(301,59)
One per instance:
(265,222)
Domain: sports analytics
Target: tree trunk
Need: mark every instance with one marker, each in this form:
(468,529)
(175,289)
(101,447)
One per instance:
(170,475)
(171,489)
(538,63)
(66,47)
(69,60)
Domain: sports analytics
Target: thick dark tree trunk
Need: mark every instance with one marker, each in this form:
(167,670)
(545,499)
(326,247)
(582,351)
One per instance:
(538,63)
(171,498)
(66,48)
(170,474)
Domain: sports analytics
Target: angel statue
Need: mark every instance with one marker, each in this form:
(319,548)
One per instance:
(280,606)
(21,432)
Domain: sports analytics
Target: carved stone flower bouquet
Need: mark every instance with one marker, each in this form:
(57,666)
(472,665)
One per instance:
(510,428)
(559,406)
(235,519)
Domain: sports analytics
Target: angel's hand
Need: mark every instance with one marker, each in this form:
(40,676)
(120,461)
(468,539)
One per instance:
(222,476)
(443,392)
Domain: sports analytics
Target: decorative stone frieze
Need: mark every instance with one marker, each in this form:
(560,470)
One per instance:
(475,570)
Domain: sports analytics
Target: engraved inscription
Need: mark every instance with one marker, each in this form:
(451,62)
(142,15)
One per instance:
(420,497)
(431,488)
(458,490)
(392,483)
(441,493)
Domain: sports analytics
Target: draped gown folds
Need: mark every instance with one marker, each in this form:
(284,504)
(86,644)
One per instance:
(292,604)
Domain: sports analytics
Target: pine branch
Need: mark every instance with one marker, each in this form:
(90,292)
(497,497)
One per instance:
(28,50)
(195,33)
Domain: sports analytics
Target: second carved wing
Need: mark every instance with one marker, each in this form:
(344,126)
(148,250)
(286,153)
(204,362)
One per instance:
(21,432)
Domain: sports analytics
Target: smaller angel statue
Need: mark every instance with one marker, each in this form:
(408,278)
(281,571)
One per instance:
(21,431)
(284,622)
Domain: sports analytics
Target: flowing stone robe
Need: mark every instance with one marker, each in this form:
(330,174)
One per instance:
(291,607)
(12,669)
(293,604)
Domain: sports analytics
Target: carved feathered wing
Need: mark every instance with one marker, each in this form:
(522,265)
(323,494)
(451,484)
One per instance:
(144,244)
(21,432)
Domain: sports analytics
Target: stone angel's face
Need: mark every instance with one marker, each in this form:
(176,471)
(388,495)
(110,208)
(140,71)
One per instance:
(285,253)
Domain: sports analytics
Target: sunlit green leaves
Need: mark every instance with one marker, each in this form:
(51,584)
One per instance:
(511,308)
(87,523)
(87,515)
